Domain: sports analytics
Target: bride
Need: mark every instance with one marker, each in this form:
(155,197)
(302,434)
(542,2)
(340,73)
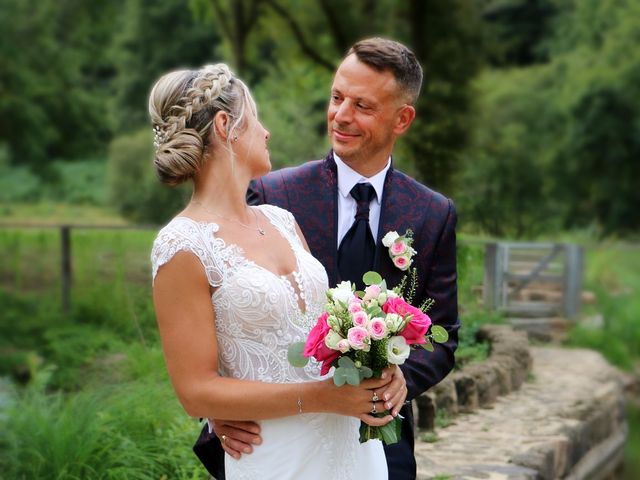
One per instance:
(234,285)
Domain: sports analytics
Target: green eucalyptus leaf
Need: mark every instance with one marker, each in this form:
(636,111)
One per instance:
(428,346)
(295,355)
(339,377)
(346,362)
(371,278)
(353,376)
(365,372)
(440,335)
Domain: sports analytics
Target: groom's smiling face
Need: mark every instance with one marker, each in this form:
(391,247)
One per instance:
(365,115)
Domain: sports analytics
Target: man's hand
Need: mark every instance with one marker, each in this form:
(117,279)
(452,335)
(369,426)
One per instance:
(237,437)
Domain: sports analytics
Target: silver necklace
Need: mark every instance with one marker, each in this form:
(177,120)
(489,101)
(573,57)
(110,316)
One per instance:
(260,230)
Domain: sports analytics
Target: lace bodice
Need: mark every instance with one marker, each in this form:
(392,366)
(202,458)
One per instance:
(258,313)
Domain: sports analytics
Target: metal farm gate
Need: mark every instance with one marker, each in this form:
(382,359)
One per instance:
(533,279)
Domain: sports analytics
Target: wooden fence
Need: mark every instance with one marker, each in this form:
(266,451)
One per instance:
(66,256)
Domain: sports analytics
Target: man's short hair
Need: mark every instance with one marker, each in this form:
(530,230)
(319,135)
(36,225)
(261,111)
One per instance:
(383,54)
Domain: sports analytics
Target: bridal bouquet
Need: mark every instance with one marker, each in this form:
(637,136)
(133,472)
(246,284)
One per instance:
(361,333)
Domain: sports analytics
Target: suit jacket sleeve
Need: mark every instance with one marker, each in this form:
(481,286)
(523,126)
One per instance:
(423,369)
(255,193)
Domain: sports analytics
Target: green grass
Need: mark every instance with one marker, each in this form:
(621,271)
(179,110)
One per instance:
(632,447)
(613,274)
(134,430)
(54,213)
(472,314)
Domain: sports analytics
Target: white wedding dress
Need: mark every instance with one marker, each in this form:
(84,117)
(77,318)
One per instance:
(258,314)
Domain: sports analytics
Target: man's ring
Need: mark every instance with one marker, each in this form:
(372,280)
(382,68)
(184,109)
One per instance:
(224,439)
(375,397)
(374,410)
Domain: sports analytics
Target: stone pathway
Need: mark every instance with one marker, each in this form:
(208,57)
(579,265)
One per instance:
(566,419)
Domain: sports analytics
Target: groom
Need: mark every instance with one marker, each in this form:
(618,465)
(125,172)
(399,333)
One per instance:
(346,203)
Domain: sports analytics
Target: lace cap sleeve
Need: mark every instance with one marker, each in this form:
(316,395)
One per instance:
(183,234)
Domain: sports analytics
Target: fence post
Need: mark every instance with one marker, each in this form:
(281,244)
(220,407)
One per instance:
(573,279)
(65,258)
(492,276)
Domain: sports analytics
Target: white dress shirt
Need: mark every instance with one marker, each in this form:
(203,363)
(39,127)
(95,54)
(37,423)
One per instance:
(347,205)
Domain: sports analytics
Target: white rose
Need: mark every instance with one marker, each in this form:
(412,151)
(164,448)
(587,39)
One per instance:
(397,350)
(382,298)
(389,238)
(343,345)
(342,293)
(332,340)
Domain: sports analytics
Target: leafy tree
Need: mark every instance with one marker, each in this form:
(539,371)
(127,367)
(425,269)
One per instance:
(572,124)
(520,30)
(52,83)
(133,188)
(154,38)
(440,32)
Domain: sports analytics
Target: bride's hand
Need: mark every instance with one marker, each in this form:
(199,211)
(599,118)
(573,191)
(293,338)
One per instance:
(237,437)
(393,394)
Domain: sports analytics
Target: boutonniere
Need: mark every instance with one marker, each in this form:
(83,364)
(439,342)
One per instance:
(400,249)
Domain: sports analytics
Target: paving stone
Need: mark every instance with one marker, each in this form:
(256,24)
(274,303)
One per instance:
(572,404)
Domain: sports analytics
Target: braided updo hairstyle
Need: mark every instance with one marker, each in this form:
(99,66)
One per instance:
(182,105)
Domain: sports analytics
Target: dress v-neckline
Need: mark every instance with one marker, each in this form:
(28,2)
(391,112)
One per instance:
(296,290)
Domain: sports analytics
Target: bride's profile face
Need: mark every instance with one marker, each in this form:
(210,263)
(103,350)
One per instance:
(252,146)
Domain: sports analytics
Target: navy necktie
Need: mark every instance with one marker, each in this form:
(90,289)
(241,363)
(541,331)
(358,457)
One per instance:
(357,249)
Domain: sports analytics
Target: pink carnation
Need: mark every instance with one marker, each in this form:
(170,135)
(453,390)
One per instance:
(417,328)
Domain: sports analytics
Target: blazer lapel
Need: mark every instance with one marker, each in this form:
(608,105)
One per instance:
(390,219)
(323,205)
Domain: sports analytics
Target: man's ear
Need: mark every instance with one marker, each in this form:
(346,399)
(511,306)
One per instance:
(404,118)
(221,124)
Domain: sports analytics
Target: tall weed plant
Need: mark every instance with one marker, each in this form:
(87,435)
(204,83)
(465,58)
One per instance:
(132,431)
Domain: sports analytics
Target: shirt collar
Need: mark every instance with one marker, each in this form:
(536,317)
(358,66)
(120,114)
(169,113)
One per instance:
(347,178)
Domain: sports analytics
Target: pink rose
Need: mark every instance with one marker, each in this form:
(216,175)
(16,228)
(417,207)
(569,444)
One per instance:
(398,247)
(417,327)
(355,305)
(377,328)
(401,262)
(358,338)
(371,292)
(315,346)
(359,319)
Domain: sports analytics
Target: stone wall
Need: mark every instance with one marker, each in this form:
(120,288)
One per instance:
(526,413)
(480,384)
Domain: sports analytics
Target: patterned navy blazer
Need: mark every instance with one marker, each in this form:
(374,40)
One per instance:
(310,192)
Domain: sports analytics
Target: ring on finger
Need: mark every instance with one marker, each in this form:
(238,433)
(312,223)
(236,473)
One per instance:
(375,398)
(374,410)
(223,438)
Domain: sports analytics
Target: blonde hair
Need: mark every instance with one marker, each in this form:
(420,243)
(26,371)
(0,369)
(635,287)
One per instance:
(182,105)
